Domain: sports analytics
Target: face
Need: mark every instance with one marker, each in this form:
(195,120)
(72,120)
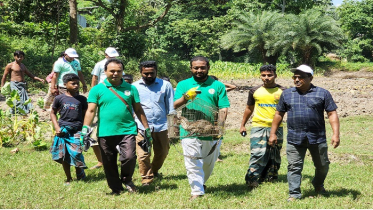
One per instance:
(148,74)
(114,73)
(19,58)
(72,86)
(268,78)
(200,70)
(68,58)
(301,80)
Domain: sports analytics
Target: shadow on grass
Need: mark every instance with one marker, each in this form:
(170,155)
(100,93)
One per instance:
(342,192)
(95,177)
(154,187)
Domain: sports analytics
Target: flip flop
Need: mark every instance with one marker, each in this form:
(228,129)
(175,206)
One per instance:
(96,167)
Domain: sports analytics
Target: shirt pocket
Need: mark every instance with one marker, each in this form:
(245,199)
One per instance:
(315,102)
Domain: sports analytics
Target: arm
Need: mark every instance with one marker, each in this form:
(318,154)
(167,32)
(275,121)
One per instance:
(94,80)
(81,77)
(229,87)
(277,119)
(54,121)
(6,72)
(90,114)
(54,82)
(246,115)
(334,123)
(169,99)
(179,102)
(33,76)
(140,114)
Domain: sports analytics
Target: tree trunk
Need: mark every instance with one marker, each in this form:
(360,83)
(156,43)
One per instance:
(73,21)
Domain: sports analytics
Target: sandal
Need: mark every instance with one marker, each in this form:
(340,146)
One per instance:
(81,176)
(96,167)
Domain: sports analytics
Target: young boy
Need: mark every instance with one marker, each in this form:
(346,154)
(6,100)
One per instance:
(17,71)
(66,148)
(262,103)
(128,78)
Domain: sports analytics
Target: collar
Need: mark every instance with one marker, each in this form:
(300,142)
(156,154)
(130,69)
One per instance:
(66,61)
(108,84)
(208,82)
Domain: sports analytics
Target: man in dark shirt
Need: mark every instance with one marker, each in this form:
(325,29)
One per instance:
(305,105)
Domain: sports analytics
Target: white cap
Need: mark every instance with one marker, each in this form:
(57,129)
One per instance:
(71,52)
(303,68)
(111,52)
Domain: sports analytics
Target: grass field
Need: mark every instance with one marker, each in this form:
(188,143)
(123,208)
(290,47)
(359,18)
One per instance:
(30,179)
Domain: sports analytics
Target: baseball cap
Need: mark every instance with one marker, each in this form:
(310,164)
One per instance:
(71,52)
(111,52)
(303,68)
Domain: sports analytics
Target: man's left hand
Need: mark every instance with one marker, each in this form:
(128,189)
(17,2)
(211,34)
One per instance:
(335,141)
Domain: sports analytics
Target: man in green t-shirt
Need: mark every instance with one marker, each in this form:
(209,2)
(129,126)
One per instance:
(117,130)
(214,95)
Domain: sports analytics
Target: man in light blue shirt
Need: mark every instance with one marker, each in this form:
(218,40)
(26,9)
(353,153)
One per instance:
(156,99)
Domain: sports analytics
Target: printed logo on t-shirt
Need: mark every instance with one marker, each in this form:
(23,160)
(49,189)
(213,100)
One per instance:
(277,96)
(211,91)
(127,92)
(71,106)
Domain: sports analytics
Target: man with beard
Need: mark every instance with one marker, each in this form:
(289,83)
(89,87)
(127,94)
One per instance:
(156,99)
(262,103)
(305,105)
(213,93)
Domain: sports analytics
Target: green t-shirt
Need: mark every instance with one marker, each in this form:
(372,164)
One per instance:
(113,116)
(213,94)
(63,67)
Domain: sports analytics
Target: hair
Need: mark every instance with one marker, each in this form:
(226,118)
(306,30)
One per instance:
(214,77)
(127,76)
(269,67)
(199,58)
(69,77)
(166,78)
(18,53)
(113,60)
(148,64)
(309,74)
(62,53)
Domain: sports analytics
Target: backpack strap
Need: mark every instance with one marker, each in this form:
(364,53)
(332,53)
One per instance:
(122,99)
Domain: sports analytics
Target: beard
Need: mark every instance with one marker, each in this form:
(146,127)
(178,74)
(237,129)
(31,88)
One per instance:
(200,77)
(148,81)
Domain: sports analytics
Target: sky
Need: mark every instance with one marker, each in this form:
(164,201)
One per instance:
(337,2)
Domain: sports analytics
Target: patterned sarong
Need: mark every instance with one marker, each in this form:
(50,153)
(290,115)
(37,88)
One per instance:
(21,89)
(265,160)
(68,148)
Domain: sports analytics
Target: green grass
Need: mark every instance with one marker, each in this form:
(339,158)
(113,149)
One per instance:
(30,179)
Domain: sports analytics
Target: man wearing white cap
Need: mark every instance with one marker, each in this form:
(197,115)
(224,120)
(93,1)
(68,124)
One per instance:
(305,105)
(98,76)
(68,64)
(98,73)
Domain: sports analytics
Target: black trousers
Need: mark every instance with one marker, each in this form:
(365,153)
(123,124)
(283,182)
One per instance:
(127,158)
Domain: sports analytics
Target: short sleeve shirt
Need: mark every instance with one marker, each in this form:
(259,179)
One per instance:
(264,101)
(213,93)
(71,110)
(62,66)
(113,116)
(306,114)
(99,70)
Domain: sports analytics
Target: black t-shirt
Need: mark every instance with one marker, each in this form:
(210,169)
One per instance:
(71,110)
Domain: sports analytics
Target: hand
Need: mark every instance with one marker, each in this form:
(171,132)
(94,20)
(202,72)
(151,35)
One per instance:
(243,131)
(84,89)
(191,93)
(58,132)
(54,91)
(335,141)
(85,130)
(41,80)
(272,141)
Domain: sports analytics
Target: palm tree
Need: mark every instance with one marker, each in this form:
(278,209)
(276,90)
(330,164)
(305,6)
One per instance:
(309,34)
(254,32)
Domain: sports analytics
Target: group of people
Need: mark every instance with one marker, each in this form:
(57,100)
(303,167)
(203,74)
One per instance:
(128,114)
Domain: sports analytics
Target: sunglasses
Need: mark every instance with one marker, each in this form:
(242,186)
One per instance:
(298,77)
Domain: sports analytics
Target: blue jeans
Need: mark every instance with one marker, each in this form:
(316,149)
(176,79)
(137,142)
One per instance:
(296,154)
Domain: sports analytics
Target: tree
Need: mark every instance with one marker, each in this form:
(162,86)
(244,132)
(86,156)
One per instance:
(74,31)
(253,33)
(309,34)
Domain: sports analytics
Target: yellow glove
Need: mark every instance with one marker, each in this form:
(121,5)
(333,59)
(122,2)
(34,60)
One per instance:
(191,93)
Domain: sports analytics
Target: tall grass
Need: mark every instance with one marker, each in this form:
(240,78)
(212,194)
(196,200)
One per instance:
(30,179)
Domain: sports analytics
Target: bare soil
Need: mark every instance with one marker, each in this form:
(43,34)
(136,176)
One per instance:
(352,92)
